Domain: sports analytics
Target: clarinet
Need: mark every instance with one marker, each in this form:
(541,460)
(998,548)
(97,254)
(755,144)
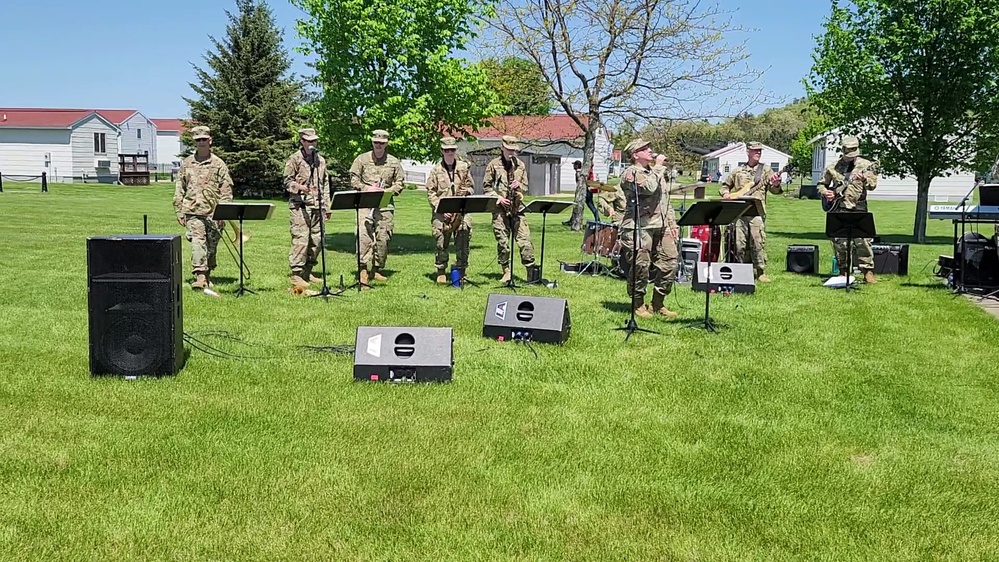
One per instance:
(516,196)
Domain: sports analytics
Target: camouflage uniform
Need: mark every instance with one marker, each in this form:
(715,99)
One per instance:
(497,183)
(656,222)
(304,185)
(863,178)
(448,183)
(200,186)
(612,204)
(366,172)
(750,232)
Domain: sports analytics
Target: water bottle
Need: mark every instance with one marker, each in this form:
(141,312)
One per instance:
(455,277)
(835,266)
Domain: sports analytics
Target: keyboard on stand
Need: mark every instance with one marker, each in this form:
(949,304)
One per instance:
(973,213)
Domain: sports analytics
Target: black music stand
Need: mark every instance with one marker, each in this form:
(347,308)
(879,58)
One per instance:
(712,213)
(358,200)
(544,207)
(242,211)
(463,204)
(849,225)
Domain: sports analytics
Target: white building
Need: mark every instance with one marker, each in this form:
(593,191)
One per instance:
(730,157)
(168,145)
(138,132)
(68,144)
(826,149)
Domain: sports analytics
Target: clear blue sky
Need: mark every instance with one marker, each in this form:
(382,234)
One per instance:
(117,54)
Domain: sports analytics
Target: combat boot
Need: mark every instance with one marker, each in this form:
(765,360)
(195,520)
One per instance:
(638,305)
(869,277)
(506,275)
(763,278)
(308,276)
(200,281)
(659,306)
(298,281)
(441,277)
(377,276)
(363,279)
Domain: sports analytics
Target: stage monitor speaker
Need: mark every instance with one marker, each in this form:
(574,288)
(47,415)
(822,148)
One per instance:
(980,259)
(403,354)
(134,305)
(690,251)
(803,258)
(538,319)
(725,277)
(891,259)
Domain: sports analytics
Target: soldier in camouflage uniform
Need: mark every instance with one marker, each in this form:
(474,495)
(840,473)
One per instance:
(304,178)
(451,177)
(506,179)
(856,176)
(648,205)
(376,170)
(750,232)
(202,182)
(612,204)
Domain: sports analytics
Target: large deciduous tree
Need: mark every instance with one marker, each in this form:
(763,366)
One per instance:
(249,100)
(519,85)
(916,80)
(609,60)
(390,65)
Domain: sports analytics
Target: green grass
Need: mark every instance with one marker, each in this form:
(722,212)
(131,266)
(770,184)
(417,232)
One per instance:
(817,425)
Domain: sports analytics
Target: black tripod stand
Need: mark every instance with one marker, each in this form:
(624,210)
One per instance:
(325,293)
(358,200)
(631,326)
(711,213)
(849,225)
(241,211)
(545,207)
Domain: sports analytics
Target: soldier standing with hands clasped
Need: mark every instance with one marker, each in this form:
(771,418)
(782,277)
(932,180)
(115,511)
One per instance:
(202,183)
(376,170)
(304,177)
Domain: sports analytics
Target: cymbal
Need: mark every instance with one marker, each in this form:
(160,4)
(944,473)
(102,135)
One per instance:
(686,188)
(599,185)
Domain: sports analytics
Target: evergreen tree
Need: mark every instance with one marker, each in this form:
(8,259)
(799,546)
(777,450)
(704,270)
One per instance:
(249,100)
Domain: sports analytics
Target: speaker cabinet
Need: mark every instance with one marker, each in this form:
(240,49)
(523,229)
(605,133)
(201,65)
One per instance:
(403,354)
(891,259)
(803,258)
(725,278)
(539,319)
(134,305)
(978,255)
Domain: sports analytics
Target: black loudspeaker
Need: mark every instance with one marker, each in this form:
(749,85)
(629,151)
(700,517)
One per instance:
(891,259)
(539,319)
(134,305)
(980,259)
(725,278)
(803,258)
(403,354)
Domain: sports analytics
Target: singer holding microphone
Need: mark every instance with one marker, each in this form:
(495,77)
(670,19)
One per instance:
(304,176)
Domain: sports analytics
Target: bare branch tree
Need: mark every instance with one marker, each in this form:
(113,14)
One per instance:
(611,61)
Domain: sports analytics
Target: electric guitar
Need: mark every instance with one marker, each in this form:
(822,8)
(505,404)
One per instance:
(839,189)
(757,184)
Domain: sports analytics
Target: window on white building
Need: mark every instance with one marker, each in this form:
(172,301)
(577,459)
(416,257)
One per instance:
(99,143)
(138,133)
(775,166)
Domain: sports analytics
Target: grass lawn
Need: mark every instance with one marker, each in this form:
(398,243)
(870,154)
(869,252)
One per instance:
(817,425)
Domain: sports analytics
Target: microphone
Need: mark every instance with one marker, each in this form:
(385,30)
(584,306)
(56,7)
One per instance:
(312,149)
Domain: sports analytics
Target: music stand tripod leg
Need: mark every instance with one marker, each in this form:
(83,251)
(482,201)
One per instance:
(357,253)
(325,293)
(242,288)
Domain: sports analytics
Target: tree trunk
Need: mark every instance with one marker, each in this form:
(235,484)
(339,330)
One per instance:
(576,221)
(922,198)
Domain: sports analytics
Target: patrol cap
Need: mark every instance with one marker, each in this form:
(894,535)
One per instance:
(755,145)
(448,143)
(510,142)
(636,145)
(851,146)
(200,132)
(308,134)
(379,135)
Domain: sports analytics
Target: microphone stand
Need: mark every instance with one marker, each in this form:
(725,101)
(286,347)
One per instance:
(325,292)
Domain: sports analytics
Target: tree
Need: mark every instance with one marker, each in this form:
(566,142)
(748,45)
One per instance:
(610,60)
(916,81)
(249,101)
(519,86)
(388,65)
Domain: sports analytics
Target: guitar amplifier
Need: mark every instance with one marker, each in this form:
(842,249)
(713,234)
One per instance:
(803,258)
(891,259)
(725,278)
